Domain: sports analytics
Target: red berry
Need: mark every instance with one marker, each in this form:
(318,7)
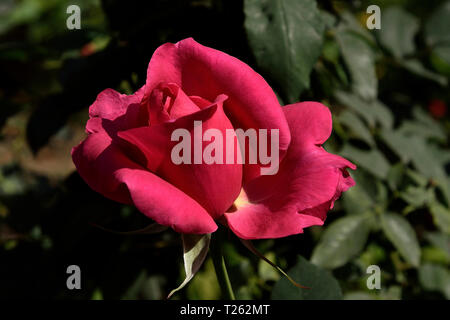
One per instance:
(437,108)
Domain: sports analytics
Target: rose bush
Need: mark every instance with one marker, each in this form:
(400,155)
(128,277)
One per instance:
(127,153)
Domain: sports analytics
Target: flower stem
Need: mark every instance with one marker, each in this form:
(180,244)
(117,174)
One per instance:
(221,268)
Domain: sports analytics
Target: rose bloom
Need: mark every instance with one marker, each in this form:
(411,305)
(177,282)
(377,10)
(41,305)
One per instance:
(127,154)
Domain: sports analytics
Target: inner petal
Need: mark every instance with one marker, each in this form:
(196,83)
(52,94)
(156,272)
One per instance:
(215,185)
(168,102)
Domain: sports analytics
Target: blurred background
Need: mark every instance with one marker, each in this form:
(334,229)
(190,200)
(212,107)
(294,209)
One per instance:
(388,91)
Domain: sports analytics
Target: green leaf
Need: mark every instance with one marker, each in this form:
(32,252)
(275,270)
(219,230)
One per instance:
(382,114)
(423,159)
(424,118)
(372,111)
(423,130)
(352,24)
(195,249)
(437,35)
(417,178)
(382,195)
(416,67)
(357,105)
(341,241)
(286,38)
(20,13)
(358,127)
(399,144)
(360,61)
(436,28)
(440,240)
(356,200)
(441,155)
(366,196)
(434,277)
(443,58)
(330,51)
(416,149)
(398,230)
(328,19)
(435,255)
(443,184)
(423,125)
(440,60)
(373,254)
(417,196)
(323,286)
(395,175)
(441,216)
(398,31)
(373,161)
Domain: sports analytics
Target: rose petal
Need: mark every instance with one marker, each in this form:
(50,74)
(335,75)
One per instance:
(214,186)
(308,182)
(206,72)
(113,111)
(108,171)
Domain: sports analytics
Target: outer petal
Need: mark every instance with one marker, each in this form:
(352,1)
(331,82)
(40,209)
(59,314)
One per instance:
(207,73)
(108,171)
(214,186)
(304,189)
(113,111)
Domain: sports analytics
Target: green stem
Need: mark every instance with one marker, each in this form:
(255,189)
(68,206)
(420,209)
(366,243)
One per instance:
(221,268)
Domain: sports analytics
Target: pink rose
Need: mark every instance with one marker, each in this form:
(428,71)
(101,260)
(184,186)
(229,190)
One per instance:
(127,153)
